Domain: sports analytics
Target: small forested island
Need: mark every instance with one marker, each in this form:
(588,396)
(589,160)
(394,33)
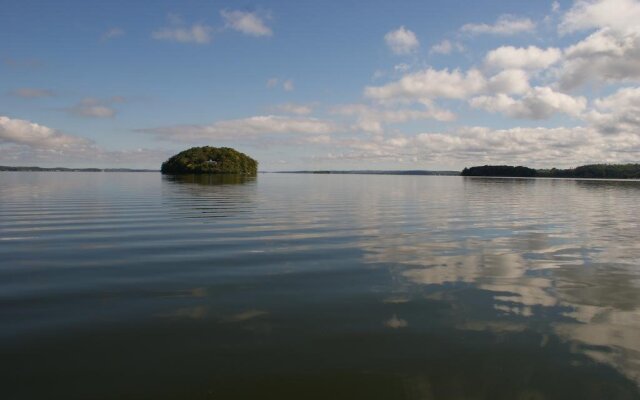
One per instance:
(210,160)
(602,171)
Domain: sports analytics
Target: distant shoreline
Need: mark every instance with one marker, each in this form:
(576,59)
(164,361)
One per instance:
(355,172)
(591,171)
(62,169)
(373,172)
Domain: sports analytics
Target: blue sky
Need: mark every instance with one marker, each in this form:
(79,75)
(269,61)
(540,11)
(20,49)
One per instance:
(317,85)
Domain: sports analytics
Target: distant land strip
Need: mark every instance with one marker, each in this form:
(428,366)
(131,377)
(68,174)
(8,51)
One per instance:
(592,171)
(376,172)
(61,169)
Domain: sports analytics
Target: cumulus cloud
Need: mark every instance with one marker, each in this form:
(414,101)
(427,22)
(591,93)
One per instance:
(505,25)
(178,31)
(247,23)
(606,55)
(23,132)
(446,47)
(611,54)
(96,108)
(112,33)
(246,128)
(87,156)
(372,119)
(620,15)
(531,58)
(31,93)
(26,142)
(539,147)
(618,113)
(538,103)
(402,41)
(196,33)
(428,84)
(513,81)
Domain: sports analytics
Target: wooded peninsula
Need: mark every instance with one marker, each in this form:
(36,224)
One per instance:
(598,171)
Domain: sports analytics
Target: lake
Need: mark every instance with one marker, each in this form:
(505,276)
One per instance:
(293,286)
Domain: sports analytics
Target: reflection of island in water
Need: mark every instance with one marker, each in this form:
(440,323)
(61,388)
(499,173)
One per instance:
(209,195)
(210,179)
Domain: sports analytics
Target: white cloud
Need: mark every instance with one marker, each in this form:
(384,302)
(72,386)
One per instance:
(604,56)
(288,85)
(620,15)
(446,47)
(618,113)
(402,67)
(538,103)
(247,23)
(112,33)
(31,93)
(505,25)
(319,139)
(538,147)
(179,32)
(96,108)
(428,84)
(24,142)
(531,57)
(514,81)
(372,119)
(23,132)
(297,109)
(246,128)
(402,41)
(197,33)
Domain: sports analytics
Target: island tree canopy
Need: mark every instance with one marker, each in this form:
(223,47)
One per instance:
(210,160)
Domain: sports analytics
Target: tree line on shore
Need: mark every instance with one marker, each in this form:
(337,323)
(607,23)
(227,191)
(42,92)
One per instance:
(610,171)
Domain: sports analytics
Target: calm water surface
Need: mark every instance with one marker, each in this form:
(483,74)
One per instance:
(136,286)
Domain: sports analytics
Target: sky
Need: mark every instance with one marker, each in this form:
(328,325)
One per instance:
(302,84)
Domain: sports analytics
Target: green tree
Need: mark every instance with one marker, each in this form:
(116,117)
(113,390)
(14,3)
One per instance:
(210,160)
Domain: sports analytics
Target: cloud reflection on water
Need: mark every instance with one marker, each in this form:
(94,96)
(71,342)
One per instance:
(557,257)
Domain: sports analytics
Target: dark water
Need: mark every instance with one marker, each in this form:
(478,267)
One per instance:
(140,286)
